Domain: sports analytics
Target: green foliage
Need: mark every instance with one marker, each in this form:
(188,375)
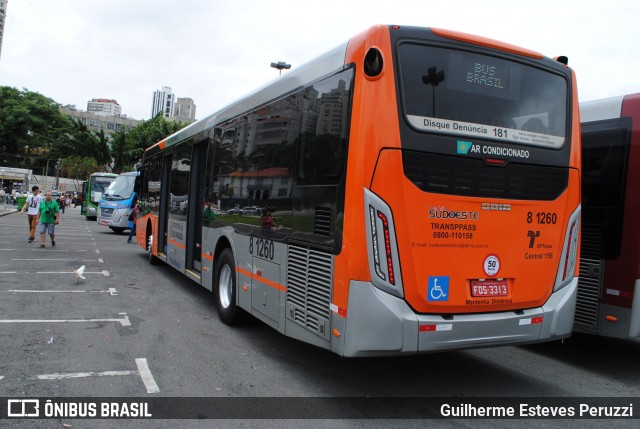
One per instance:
(123,153)
(29,124)
(77,166)
(35,134)
(127,149)
(150,132)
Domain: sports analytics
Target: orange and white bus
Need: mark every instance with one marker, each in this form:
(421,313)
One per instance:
(609,287)
(412,190)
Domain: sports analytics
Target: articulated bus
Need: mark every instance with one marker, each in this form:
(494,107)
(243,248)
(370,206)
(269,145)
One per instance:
(412,190)
(609,287)
(117,201)
(96,185)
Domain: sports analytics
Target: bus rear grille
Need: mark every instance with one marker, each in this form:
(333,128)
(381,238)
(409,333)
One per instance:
(459,175)
(591,274)
(309,281)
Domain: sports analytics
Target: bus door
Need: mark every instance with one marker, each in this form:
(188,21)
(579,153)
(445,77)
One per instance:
(196,206)
(164,205)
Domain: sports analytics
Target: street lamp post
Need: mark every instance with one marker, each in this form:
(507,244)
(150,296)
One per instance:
(58,174)
(280,65)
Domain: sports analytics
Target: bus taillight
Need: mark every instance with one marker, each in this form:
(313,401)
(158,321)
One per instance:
(384,259)
(374,242)
(387,247)
(569,255)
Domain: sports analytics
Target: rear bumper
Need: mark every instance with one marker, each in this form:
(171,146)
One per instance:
(378,323)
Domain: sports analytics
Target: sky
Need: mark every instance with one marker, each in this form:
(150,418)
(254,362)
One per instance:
(216,51)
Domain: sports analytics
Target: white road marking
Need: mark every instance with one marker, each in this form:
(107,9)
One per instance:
(81,375)
(101,260)
(48,249)
(147,377)
(103,272)
(111,291)
(51,259)
(124,321)
(143,371)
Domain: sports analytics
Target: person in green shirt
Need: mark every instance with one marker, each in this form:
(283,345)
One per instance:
(49,217)
(208,215)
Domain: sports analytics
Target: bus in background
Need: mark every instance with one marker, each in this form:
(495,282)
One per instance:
(419,190)
(117,201)
(96,185)
(609,287)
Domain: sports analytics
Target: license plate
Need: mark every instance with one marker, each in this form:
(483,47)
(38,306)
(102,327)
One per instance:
(489,288)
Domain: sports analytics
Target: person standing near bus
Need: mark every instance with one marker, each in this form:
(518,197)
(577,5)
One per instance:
(32,204)
(49,217)
(133,215)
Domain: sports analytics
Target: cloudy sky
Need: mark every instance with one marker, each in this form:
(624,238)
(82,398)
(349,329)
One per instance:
(215,51)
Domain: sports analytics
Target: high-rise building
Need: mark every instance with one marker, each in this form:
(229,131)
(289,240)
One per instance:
(105,107)
(163,102)
(3,14)
(185,109)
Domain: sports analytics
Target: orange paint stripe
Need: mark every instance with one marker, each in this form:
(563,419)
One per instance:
(207,256)
(178,245)
(268,282)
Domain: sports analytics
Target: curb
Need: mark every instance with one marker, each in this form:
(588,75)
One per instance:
(8,212)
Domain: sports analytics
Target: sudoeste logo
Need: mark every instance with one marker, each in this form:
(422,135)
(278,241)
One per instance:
(438,288)
(463,147)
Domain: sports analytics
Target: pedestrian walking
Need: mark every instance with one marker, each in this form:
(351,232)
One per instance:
(31,206)
(133,215)
(49,217)
(60,202)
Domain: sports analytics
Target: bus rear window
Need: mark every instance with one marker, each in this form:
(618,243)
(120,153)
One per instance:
(469,94)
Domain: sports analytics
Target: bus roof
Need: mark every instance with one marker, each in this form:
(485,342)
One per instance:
(321,66)
(597,110)
(102,174)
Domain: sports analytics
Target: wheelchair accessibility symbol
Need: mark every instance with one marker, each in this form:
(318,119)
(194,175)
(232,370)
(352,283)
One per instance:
(438,288)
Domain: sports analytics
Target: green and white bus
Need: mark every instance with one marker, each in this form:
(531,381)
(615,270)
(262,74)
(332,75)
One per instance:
(96,185)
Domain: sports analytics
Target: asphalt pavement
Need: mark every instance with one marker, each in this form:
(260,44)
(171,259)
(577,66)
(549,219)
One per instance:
(7,210)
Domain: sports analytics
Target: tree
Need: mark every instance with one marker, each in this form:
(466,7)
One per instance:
(78,167)
(123,153)
(101,154)
(29,124)
(148,133)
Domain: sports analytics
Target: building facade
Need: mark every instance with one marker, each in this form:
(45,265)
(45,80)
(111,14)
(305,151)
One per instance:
(3,14)
(185,109)
(96,122)
(105,107)
(163,102)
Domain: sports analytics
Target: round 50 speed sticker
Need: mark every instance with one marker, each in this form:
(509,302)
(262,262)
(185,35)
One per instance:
(491,265)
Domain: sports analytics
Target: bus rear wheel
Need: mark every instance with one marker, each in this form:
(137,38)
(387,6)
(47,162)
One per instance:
(152,259)
(226,290)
